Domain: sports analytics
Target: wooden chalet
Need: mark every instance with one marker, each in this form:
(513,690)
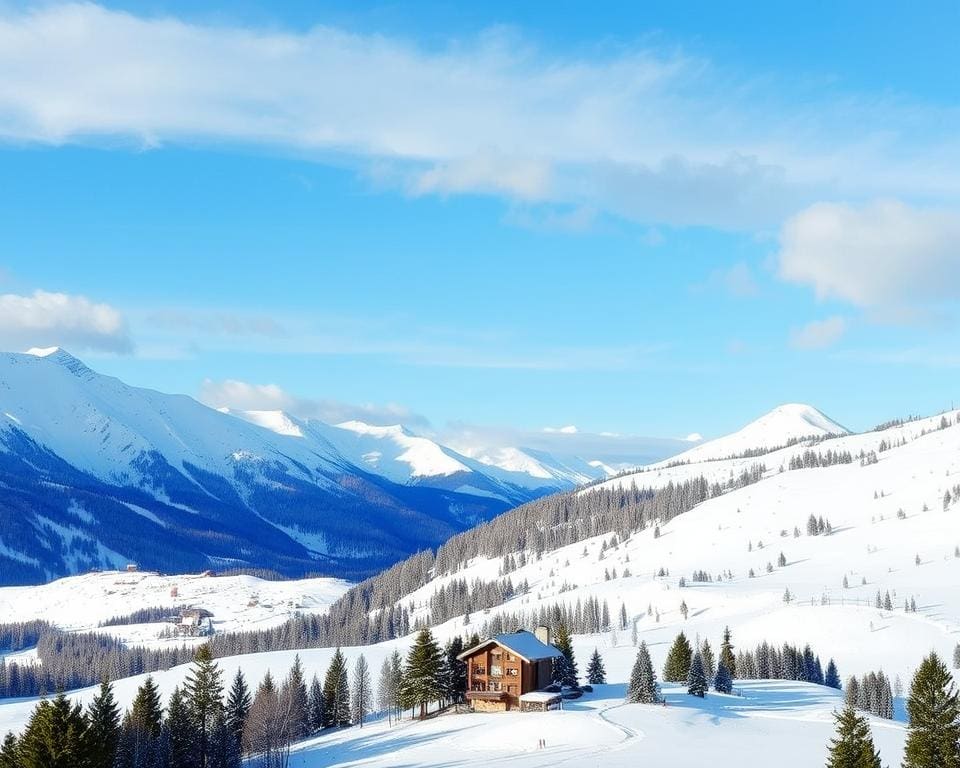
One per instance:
(504,670)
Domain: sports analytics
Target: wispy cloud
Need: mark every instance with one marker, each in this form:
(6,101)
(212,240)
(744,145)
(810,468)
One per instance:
(188,332)
(653,135)
(613,449)
(246,396)
(46,318)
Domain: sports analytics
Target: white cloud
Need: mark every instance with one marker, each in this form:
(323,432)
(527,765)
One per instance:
(616,450)
(245,396)
(44,319)
(884,253)
(648,134)
(819,333)
(570,429)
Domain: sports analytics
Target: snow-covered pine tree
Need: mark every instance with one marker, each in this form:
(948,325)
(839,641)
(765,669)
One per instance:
(722,681)
(709,665)
(596,674)
(832,678)
(316,705)
(362,690)
(565,668)
(643,688)
(336,693)
(697,678)
(296,700)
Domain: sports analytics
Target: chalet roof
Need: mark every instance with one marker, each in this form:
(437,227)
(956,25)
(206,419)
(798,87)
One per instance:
(524,644)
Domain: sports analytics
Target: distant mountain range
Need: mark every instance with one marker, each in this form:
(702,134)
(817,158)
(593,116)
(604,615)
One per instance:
(95,473)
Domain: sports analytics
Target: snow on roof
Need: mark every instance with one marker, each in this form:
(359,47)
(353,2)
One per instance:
(540,697)
(524,644)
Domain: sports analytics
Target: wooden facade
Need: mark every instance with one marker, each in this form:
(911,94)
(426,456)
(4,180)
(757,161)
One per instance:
(502,669)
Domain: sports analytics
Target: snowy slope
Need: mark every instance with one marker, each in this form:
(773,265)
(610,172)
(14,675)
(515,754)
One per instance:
(886,516)
(82,603)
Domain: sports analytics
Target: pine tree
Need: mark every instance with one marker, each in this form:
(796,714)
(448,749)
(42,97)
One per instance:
(316,705)
(147,712)
(362,691)
(336,693)
(223,749)
(722,682)
(852,746)
(295,700)
(709,667)
(454,672)
(726,653)
(697,678)
(643,688)
(103,728)
(677,666)
(565,667)
(203,695)
(421,683)
(141,744)
(181,735)
(55,736)
(9,752)
(832,678)
(851,694)
(596,673)
(933,737)
(238,706)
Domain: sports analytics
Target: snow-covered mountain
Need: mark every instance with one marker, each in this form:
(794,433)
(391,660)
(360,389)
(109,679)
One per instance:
(782,426)
(97,473)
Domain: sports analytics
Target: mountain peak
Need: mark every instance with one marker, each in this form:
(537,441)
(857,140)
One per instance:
(775,429)
(61,357)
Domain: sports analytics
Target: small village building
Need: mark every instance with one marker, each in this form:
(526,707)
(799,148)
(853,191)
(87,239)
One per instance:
(195,622)
(501,670)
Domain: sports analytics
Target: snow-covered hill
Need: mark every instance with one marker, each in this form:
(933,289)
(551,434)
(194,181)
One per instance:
(238,603)
(894,529)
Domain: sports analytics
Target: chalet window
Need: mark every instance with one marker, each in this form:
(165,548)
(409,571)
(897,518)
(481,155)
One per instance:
(511,689)
(511,657)
(496,670)
(494,686)
(479,669)
(512,672)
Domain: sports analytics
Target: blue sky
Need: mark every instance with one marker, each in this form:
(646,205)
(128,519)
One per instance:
(649,223)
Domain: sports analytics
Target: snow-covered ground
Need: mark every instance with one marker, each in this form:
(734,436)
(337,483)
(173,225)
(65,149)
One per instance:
(238,603)
(790,722)
(885,516)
